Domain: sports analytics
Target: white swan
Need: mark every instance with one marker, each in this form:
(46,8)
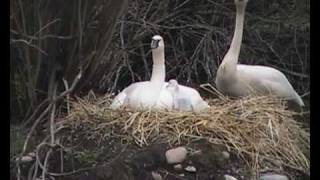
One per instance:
(186,98)
(241,80)
(148,94)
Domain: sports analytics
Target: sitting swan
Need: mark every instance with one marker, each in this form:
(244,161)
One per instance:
(148,94)
(186,98)
(241,80)
(155,93)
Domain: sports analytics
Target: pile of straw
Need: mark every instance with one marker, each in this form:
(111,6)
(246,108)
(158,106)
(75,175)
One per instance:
(259,129)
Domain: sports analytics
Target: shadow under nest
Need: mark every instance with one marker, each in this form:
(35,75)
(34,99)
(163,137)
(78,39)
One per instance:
(259,130)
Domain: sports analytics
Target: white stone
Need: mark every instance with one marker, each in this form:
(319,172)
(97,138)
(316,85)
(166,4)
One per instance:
(190,169)
(176,155)
(156,176)
(273,177)
(177,167)
(25,159)
(32,154)
(225,154)
(228,177)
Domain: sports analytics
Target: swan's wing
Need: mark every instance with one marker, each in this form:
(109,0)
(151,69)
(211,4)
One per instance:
(183,104)
(124,96)
(283,88)
(261,72)
(269,80)
(198,104)
(165,100)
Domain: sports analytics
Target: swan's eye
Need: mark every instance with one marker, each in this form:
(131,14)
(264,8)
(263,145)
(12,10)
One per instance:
(155,43)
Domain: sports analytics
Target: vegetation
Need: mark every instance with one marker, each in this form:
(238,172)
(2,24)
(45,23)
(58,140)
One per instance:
(60,50)
(51,40)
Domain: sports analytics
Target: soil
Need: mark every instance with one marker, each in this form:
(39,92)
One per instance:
(116,161)
(139,163)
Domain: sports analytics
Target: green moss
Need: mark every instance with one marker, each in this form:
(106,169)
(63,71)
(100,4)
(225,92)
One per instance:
(17,138)
(86,157)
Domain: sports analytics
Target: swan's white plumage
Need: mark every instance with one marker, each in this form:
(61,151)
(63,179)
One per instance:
(181,102)
(242,80)
(142,95)
(186,98)
(148,94)
(155,93)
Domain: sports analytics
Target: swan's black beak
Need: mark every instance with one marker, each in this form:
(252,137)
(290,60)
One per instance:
(154,43)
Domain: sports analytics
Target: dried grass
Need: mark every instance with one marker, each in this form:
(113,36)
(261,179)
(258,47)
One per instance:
(259,129)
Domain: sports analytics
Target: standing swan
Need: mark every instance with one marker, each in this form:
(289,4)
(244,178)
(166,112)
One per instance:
(241,80)
(186,98)
(148,94)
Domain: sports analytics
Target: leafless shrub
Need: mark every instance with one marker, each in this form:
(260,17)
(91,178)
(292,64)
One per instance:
(59,36)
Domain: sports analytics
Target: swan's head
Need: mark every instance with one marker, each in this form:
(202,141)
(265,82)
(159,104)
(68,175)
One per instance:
(241,2)
(157,42)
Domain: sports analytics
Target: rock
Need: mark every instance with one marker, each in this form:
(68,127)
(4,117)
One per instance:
(273,177)
(278,163)
(225,154)
(156,176)
(32,154)
(196,153)
(176,155)
(228,177)
(177,167)
(190,169)
(25,159)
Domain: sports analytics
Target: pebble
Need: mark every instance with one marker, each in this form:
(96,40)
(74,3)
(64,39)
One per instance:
(225,154)
(156,176)
(177,167)
(273,177)
(25,159)
(32,154)
(228,177)
(176,155)
(190,169)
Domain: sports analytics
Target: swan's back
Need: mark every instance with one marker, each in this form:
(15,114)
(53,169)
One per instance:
(165,100)
(181,101)
(123,98)
(189,99)
(140,95)
(263,72)
(268,80)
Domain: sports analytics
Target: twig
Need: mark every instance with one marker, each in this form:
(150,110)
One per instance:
(305,94)
(35,112)
(66,86)
(61,160)
(220,95)
(76,80)
(29,44)
(46,26)
(44,170)
(33,128)
(53,111)
(147,74)
(125,55)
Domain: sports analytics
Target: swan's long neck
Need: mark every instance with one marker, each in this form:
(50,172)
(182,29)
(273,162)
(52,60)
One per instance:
(232,56)
(158,69)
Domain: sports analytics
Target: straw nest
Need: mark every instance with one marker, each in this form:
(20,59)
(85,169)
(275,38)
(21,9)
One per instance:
(259,129)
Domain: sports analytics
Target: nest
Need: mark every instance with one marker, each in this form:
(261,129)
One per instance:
(259,129)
